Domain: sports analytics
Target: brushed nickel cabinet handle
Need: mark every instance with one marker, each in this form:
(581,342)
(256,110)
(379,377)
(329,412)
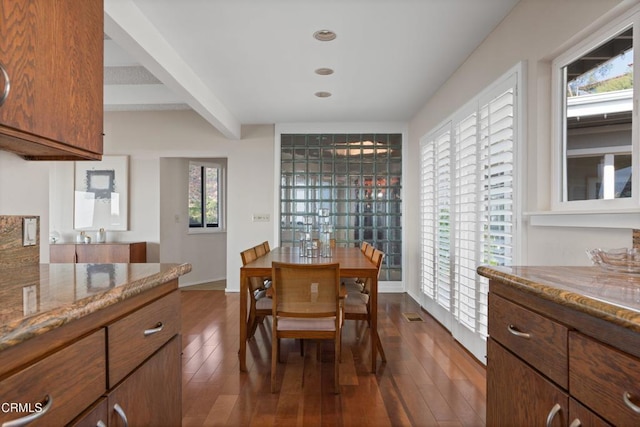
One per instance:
(552,414)
(513,330)
(155,330)
(626,396)
(100,423)
(7,84)
(121,413)
(31,417)
(576,423)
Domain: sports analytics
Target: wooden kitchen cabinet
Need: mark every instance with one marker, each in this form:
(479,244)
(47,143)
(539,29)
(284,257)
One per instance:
(98,253)
(76,360)
(51,51)
(550,365)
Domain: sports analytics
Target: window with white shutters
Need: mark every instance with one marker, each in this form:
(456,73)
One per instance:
(468,202)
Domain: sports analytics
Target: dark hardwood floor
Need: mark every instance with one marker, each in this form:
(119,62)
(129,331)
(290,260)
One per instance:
(428,379)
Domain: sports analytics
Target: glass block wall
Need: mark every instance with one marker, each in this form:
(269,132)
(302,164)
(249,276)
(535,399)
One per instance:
(358,177)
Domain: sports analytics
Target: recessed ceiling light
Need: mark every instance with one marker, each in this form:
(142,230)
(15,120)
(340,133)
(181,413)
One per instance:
(324,71)
(323,94)
(324,35)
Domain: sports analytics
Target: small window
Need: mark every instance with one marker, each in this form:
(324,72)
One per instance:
(204,195)
(595,122)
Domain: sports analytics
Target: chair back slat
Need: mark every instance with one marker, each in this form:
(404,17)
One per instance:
(260,250)
(248,255)
(301,290)
(369,251)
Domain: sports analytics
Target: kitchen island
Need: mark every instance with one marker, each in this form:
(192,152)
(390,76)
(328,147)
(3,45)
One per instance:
(82,343)
(563,347)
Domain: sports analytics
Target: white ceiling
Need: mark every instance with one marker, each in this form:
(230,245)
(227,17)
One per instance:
(252,61)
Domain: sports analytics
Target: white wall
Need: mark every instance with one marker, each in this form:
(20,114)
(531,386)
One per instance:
(535,32)
(153,141)
(24,190)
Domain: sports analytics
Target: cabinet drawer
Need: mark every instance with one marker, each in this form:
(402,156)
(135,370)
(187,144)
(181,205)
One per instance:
(600,377)
(137,336)
(74,377)
(539,341)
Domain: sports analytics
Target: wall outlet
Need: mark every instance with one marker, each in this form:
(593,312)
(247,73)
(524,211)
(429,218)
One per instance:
(314,288)
(261,217)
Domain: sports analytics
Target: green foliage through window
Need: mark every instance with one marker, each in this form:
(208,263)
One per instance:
(204,208)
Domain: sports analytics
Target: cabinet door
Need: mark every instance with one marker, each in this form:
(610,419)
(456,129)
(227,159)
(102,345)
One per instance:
(95,416)
(518,395)
(102,253)
(151,396)
(71,112)
(60,253)
(17,56)
(52,52)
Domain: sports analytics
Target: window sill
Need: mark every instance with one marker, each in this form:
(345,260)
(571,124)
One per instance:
(206,231)
(589,219)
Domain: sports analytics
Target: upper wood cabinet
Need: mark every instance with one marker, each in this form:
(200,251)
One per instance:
(51,52)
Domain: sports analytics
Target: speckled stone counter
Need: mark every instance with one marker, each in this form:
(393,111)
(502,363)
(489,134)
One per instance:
(36,299)
(613,297)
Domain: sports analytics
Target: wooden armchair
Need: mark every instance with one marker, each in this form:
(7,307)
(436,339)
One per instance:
(357,307)
(306,305)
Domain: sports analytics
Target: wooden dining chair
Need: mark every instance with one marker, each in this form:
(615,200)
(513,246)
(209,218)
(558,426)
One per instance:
(353,284)
(357,306)
(259,304)
(306,305)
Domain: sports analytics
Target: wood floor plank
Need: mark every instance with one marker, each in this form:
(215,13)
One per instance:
(428,380)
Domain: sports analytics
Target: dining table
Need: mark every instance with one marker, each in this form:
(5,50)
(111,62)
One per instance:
(353,263)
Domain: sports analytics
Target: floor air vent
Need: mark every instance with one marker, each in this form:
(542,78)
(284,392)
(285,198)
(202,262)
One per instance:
(412,317)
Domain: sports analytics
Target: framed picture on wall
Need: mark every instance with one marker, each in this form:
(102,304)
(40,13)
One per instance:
(101,198)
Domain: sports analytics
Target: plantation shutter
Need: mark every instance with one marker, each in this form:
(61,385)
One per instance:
(468,210)
(466,220)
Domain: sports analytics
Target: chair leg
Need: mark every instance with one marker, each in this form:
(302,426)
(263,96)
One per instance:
(336,366)
(254,325)
(275,344)
(380,349)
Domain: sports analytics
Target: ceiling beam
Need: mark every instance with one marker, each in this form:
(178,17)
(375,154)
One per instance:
(133,32)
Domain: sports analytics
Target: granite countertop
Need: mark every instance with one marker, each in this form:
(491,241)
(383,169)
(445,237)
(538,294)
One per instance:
(614,297)
(35,299)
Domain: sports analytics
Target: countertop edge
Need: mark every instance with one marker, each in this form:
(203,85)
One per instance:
(601,309)
(15,333)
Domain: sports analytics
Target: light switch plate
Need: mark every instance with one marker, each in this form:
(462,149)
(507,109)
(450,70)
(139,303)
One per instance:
(264,217)
(29,231)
